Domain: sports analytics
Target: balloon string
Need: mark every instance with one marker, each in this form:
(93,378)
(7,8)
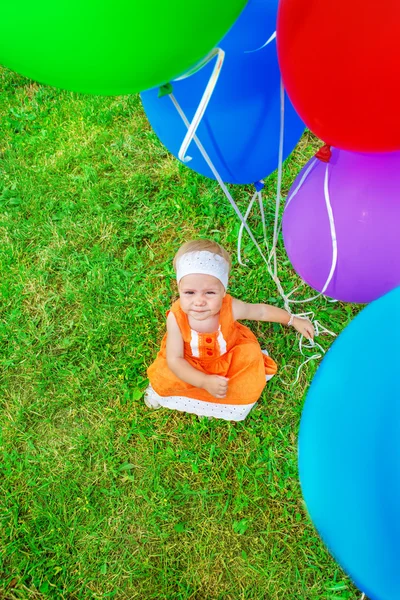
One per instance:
(332,229)
(302,180)
(257,195)
(290,198)
(297,189)
(228,195)
(243,219)
(277,228)
(239,244)
(197,67)
(212,82)
(261,205)
(333,239)
(271,38)
(191,136)
(319,330)
(295,192)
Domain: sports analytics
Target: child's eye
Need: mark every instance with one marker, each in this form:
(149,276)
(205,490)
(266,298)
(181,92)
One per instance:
(210,292)
(188,293)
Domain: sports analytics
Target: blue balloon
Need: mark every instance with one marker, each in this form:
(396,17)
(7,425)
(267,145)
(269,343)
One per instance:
(349,449)
(240,128)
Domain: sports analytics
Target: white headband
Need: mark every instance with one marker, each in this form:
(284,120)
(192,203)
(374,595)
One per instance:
(204,262)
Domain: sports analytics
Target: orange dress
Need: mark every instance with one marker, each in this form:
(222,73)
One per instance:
(232,351)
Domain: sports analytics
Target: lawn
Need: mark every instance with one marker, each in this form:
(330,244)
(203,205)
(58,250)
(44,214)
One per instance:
(101,497)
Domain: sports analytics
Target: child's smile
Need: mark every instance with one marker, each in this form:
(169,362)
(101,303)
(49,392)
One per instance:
(201,296)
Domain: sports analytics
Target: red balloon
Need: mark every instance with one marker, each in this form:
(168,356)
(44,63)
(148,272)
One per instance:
(340,63)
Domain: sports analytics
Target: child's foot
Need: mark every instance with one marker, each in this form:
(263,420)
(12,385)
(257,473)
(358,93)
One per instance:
(150,399)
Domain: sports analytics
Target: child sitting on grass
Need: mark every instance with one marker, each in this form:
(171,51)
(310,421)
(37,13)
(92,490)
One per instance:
(210,364)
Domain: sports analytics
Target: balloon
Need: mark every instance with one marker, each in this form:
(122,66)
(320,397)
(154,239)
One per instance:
(240,128)
(110,47)
(364,195)
(340,66)
(349,451)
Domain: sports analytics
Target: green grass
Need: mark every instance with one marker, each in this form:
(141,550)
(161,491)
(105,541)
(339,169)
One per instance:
(100,497)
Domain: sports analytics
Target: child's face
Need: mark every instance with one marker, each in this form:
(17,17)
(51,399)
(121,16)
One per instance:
(201,295)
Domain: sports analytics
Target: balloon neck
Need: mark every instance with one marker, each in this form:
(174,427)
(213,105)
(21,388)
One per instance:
(324,154)
(165,90)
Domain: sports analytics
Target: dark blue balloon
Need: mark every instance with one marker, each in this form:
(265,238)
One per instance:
(349,449)
(240,128)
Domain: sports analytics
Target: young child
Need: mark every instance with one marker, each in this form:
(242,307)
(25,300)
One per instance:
(209,364)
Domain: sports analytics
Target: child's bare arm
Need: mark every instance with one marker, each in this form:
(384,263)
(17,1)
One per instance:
(175,359)
(273,314)
(214,384)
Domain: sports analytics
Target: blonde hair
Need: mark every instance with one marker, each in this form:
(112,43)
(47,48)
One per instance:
(197,245)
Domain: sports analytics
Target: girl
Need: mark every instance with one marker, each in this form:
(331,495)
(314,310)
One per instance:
(209,364)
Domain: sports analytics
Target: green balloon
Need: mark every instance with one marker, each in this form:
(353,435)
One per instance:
(110,46)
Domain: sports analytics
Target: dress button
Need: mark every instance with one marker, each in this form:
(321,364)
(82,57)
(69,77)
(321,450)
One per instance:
(209,352)
(208,340)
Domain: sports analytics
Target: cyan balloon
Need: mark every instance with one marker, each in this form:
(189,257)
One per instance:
(349,449)
(241,125)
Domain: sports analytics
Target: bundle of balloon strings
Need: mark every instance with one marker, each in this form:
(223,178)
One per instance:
(270,259)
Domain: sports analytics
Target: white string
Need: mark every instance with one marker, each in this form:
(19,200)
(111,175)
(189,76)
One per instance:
(237,211)
(319,330)
(279,180)
(212,82)
(297,189)
(243,219)
(271,38)
(334,242)
(223,187)
(332,229)
(226,191)
(197,67)
(261,205)
(302,180)
(290,198)
(241,229)
(273,254)
(363,597)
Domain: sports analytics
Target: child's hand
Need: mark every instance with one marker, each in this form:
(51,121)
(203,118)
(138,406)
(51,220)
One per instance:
(305,327)
(216,385)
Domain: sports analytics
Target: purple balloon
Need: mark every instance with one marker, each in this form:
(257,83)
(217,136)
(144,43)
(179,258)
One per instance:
(364,191)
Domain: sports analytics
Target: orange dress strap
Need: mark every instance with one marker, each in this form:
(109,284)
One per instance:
(182,320)
(226,321)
